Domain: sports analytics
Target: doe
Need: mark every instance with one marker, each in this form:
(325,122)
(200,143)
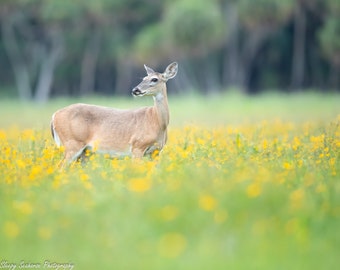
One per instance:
(135,132)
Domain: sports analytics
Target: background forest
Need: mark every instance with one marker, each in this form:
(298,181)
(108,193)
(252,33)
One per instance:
(54,48)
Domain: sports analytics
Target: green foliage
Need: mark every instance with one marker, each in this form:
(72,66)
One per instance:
(265,12)
(330,39)
(188,28)
(193,27)
(60,10)
(150,44)
(333,6)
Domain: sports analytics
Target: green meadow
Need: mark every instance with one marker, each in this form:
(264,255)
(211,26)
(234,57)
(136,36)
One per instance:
(244,182)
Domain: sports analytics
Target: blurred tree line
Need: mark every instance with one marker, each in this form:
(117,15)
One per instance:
(83,47)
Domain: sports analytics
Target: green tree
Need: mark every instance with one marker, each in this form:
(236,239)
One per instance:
(34,47)
(189,30)
(260,19)
(80,47)
(193,27)
(86,22)
(329,37)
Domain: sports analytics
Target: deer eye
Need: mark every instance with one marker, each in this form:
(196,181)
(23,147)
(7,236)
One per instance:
(154,80)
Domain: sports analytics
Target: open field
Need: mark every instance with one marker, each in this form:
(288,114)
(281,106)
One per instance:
(243,183)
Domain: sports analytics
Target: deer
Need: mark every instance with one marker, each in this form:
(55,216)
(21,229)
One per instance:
(118,132)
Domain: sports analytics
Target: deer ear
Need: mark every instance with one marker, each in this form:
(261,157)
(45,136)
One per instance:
(149,70)
(170,71)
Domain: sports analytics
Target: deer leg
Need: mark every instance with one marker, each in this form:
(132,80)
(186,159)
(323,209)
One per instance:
(137,153)
(74,150)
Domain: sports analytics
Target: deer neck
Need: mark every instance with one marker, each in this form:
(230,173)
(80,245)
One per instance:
(161,108)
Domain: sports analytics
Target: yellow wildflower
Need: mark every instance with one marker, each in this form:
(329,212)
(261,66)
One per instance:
(35,172)
(11,229)
(172,245)
(169,212)
(296,143)
(264,144)
(84,177)
(24,207)
(254,190)
(220,216)
(296,198)
(28,134)
(288,166)
(44,233)
(139,185)
(207,202)
(321,188)
(21,164)
(3,135)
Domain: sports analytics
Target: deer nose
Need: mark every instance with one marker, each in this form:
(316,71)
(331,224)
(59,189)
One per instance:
(136,91)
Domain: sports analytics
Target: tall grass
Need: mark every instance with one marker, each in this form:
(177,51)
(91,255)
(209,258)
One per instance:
(243,183)
(230,108)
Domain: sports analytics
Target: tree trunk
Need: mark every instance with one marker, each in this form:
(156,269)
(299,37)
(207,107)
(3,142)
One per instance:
(334,80)
(19,66)
(239,56)
(49,62)
(124,76)
(252,44)
(298,61)
(186,80)
(212,75)
(89,63)
(232,54)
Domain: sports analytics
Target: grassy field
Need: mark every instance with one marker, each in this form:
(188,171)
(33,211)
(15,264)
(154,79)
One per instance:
(243,183)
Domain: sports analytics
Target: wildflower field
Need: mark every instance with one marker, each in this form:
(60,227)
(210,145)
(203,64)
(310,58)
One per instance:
(243,183)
